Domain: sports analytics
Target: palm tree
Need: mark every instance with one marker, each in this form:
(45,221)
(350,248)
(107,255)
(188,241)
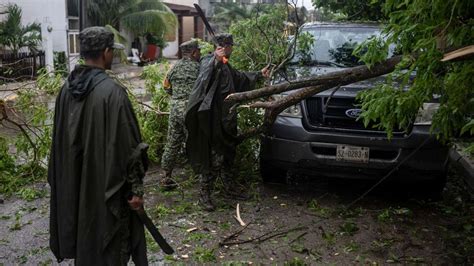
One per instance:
(139,16)
(14,35)
(227,13)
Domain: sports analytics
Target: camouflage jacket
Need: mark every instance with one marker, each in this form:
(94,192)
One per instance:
(182,77)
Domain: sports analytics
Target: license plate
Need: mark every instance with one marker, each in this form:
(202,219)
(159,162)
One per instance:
(352,154)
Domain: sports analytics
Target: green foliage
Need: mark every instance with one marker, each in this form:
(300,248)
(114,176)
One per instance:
(154,124)
(50,83)
(348,228)
(203,255)
(32,142)
(315,207)
(60,63)
(389,214)
(424,29)
(378,48)
(354,9)
(138,16)
(14,35)
(160,211)
(197,236)
(118,38)
(30,194)
(295,262)
(305,45)
(257,37)
(205,47)
(227,13)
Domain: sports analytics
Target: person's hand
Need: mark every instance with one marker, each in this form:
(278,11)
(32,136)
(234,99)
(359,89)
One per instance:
(136,203)
(219,53)
(266,72)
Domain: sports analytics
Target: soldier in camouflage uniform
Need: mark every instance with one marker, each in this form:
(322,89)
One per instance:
(178,83)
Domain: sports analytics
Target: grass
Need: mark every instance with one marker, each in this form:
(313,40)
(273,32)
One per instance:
(348,228)
(390,214)
(184,208)
(204,255)
(224,226)
(30,194)
(351,247)
(160,211)
(295,262)
(317,209)
(196,237)
(151,243)
(382,244)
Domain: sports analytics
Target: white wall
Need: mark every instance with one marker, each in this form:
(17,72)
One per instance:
(181,2)
(37,10)
(171,51)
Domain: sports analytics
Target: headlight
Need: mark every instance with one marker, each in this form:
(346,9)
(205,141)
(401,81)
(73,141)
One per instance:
(425,114)
(292,111)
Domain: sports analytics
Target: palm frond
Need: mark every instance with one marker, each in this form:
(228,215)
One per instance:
(119,38)
(150,21)
(14,35)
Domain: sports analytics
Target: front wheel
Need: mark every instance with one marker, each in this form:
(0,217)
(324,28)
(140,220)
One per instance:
(272,174)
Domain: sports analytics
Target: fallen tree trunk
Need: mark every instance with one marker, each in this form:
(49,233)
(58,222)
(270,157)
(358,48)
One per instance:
(338,78)
(307,88)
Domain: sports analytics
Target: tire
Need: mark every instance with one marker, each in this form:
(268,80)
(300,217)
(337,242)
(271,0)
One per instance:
(271,174)
(436,186)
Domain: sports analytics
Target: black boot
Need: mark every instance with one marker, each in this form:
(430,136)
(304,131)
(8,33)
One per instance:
(232,189)
(167,183)
(205,198)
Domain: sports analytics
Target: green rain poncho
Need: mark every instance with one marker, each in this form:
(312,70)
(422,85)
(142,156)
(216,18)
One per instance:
(97,156)
(210,124)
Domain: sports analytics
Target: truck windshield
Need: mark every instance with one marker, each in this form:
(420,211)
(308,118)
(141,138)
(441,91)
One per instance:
(335,45)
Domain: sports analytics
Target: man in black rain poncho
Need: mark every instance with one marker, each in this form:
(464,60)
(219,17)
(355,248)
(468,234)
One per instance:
(97,164)
(211,125)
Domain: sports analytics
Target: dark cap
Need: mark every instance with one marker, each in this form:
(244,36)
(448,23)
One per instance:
(224,39)
(189,46)
(97,39)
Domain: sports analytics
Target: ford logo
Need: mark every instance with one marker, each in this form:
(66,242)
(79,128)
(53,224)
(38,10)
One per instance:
(353,113)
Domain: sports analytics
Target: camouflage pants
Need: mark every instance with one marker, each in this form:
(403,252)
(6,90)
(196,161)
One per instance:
(219,168)
(176,138)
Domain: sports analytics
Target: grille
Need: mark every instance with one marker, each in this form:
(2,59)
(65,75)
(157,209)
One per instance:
(334,114)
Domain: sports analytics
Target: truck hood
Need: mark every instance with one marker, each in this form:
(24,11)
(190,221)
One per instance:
(350,90)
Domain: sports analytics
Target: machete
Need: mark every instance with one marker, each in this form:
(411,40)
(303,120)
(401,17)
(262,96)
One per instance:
(208,28)
(154,231)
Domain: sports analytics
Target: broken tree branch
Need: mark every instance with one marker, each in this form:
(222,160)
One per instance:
(307,88)
(263,237)
(338,78)
(235,234)
(237,217)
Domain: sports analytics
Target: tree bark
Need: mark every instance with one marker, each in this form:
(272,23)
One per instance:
(307,88)
(339,78)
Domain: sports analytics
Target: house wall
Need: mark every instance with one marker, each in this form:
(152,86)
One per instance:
(38,10)
(171,50)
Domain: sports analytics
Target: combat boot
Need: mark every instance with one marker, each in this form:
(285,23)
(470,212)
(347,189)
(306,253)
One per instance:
(167,183)
(205,198)
(232,189)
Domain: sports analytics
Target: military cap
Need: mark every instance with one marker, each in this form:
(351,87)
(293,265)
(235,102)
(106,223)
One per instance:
(189,46)
(224,39)
(97,39)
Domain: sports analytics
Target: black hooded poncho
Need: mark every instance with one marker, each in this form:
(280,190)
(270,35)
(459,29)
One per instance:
(96,156)
(209,120)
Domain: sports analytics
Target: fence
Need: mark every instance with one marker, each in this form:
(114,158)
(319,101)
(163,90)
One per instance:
(20,66)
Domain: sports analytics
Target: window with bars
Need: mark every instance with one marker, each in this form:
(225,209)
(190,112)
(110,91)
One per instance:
(73,39)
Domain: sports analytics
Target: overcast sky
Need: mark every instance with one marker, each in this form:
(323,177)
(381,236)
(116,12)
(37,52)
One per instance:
(306,3)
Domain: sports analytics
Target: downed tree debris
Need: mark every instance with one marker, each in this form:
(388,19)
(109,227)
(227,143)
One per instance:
(306,88)
(237,217)
(263,237)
